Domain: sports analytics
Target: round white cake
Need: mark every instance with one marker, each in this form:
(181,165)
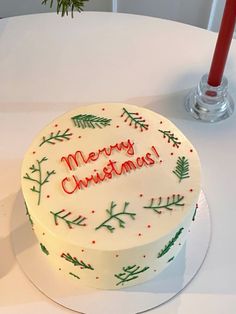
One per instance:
(110,191)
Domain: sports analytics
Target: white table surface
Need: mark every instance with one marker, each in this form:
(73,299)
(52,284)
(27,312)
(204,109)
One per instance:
(49,65)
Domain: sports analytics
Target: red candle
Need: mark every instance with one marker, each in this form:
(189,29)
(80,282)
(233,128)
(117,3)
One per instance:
(223,43)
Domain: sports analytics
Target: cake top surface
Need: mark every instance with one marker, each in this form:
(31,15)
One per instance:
(110,176)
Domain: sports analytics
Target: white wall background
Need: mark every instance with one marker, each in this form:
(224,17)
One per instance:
(194,12)
(20,7)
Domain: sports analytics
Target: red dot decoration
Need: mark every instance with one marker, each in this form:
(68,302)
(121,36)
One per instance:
(93,241)
(48,196)
(56,125)
(172,154)
(141,195)
(103,109)
(117,126)
(161,161)
(97,277)
(149,226)
(93,211)
(82,250)
(191,190)
(34,152)
(79,136)
(161,122)
(139,234)
(191,150)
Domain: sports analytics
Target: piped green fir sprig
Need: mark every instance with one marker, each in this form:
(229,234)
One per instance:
(76,262)
(64,216)
(182,168)
(115,217)
(129,273)
(64,6)
(74,275)
(169,203)
(134,119)
(59,136)
(28,214)
(170,243)
(90,121)
(171,138)
(37,177)
(44,249)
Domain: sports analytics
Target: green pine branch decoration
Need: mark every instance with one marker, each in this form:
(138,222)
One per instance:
(64,6)
(169,203)
(90,121)
(171,138)
(28,214)
(171,259)
(135,119)
(130,273)
(170,243)
(113,216)
(79,221)
(53,138)
(74,275)
(195,213)
(182,168)
(43,248)
(39,180)
(76,262)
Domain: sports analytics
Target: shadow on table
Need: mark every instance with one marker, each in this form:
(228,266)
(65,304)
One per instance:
(16,230)
(170,105)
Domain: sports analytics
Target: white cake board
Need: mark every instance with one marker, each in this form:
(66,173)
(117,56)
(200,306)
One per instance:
(67,291)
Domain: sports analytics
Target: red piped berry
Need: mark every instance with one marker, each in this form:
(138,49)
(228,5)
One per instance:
(56,125)
(191,190)
(191,150)
(172,154)
(117,126)
(139,234)
(161,161)
(149,226)
(93,241)
(141,195)
(93,211)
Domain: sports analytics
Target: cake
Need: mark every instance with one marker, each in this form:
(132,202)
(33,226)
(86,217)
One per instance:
(110,191)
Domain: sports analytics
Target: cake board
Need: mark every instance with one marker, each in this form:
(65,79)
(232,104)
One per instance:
(137,299)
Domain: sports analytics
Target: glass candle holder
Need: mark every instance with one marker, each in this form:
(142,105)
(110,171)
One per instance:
(210,103)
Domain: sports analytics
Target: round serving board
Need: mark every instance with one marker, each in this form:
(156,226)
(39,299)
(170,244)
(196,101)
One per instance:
(137,299)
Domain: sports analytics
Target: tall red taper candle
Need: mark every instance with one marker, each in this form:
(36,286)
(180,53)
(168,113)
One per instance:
(223,43)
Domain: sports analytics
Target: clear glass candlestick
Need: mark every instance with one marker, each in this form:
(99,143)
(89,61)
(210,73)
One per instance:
(210,103)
